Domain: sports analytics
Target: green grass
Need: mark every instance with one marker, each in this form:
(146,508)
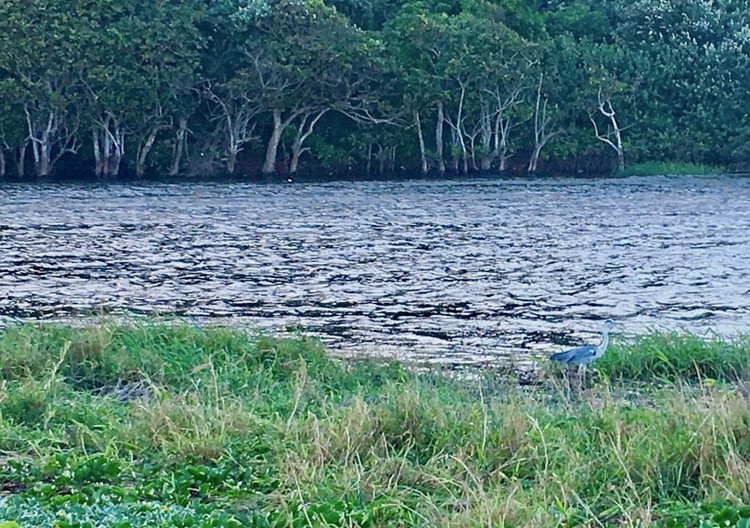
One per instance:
(658,168)
(172,425)
(676,358)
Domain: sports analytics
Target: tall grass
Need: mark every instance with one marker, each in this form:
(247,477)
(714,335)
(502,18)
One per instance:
(156,424)
(677,357)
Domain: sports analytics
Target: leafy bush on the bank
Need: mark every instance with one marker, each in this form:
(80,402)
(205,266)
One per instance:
(662,168)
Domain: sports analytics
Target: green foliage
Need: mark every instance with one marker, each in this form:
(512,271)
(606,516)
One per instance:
(220,427)
(677,357)
(657,168)
(151,78)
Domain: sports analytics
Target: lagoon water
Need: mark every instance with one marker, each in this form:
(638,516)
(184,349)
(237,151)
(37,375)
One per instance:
(457,271)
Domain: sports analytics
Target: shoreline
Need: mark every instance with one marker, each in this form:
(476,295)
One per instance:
(639,170)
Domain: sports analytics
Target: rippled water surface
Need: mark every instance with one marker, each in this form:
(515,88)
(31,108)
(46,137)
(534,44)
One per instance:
(459,271)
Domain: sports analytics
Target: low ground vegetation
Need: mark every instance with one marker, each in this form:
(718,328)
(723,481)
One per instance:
(156,424)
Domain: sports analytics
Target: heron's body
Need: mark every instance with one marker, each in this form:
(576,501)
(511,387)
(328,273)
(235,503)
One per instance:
(585,354)
(582,355)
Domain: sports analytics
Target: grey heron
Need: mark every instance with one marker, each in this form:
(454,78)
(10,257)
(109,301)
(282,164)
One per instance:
(585,354)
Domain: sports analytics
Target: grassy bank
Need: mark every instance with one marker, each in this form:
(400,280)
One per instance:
(158,425)
(658,168)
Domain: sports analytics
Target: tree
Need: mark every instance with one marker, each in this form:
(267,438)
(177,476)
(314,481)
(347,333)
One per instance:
(144,60)
(307,61)
(39,54)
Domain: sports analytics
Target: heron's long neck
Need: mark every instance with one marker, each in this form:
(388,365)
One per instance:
(605,341)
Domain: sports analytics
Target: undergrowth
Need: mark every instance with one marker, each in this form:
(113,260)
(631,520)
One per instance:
(661,168)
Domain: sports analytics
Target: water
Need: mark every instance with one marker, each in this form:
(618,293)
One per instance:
(452,271)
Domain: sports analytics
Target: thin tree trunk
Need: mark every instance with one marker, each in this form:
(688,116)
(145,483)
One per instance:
(3,164)
(40,143)
(143,152)
(422,151)
(542,132)
(608,111)
(534,160)
(98,157)
(109,146)
(120,153)
(297,151)
(179,147)
(233,145)
(369,159)
(439,138)
(472,149)
(231,160)
(457,130)
(21,160)
(107,152)
(43,169)
(269,165)
(303,132)
(485,129)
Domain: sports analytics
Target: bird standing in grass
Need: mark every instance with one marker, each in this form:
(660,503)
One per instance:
(585,354)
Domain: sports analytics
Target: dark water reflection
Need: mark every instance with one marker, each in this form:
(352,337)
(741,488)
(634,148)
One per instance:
(445,270)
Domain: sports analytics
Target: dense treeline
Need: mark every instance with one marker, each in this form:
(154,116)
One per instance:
(199,87)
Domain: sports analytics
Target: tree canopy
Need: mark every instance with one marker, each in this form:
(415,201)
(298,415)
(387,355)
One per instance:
(201,87)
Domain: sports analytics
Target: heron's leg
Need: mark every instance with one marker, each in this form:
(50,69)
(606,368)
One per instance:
(581,377)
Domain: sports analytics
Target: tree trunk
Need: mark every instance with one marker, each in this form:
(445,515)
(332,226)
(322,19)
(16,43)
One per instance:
(21,160)
(118,151)
(473,156)
(297,151)
(503,162)
(542,131)
(608,111)
(485,129)
(534,160)
(269,165)
(422,151)
(233,146)
(50,138)
(369,159)
(40,142)
(3,165)
(460,131)
(98,156)
(179,147)
(43,165)
(294,162)
(143,151)
(109,146)
(231,160)
(304,131)
(439,138)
